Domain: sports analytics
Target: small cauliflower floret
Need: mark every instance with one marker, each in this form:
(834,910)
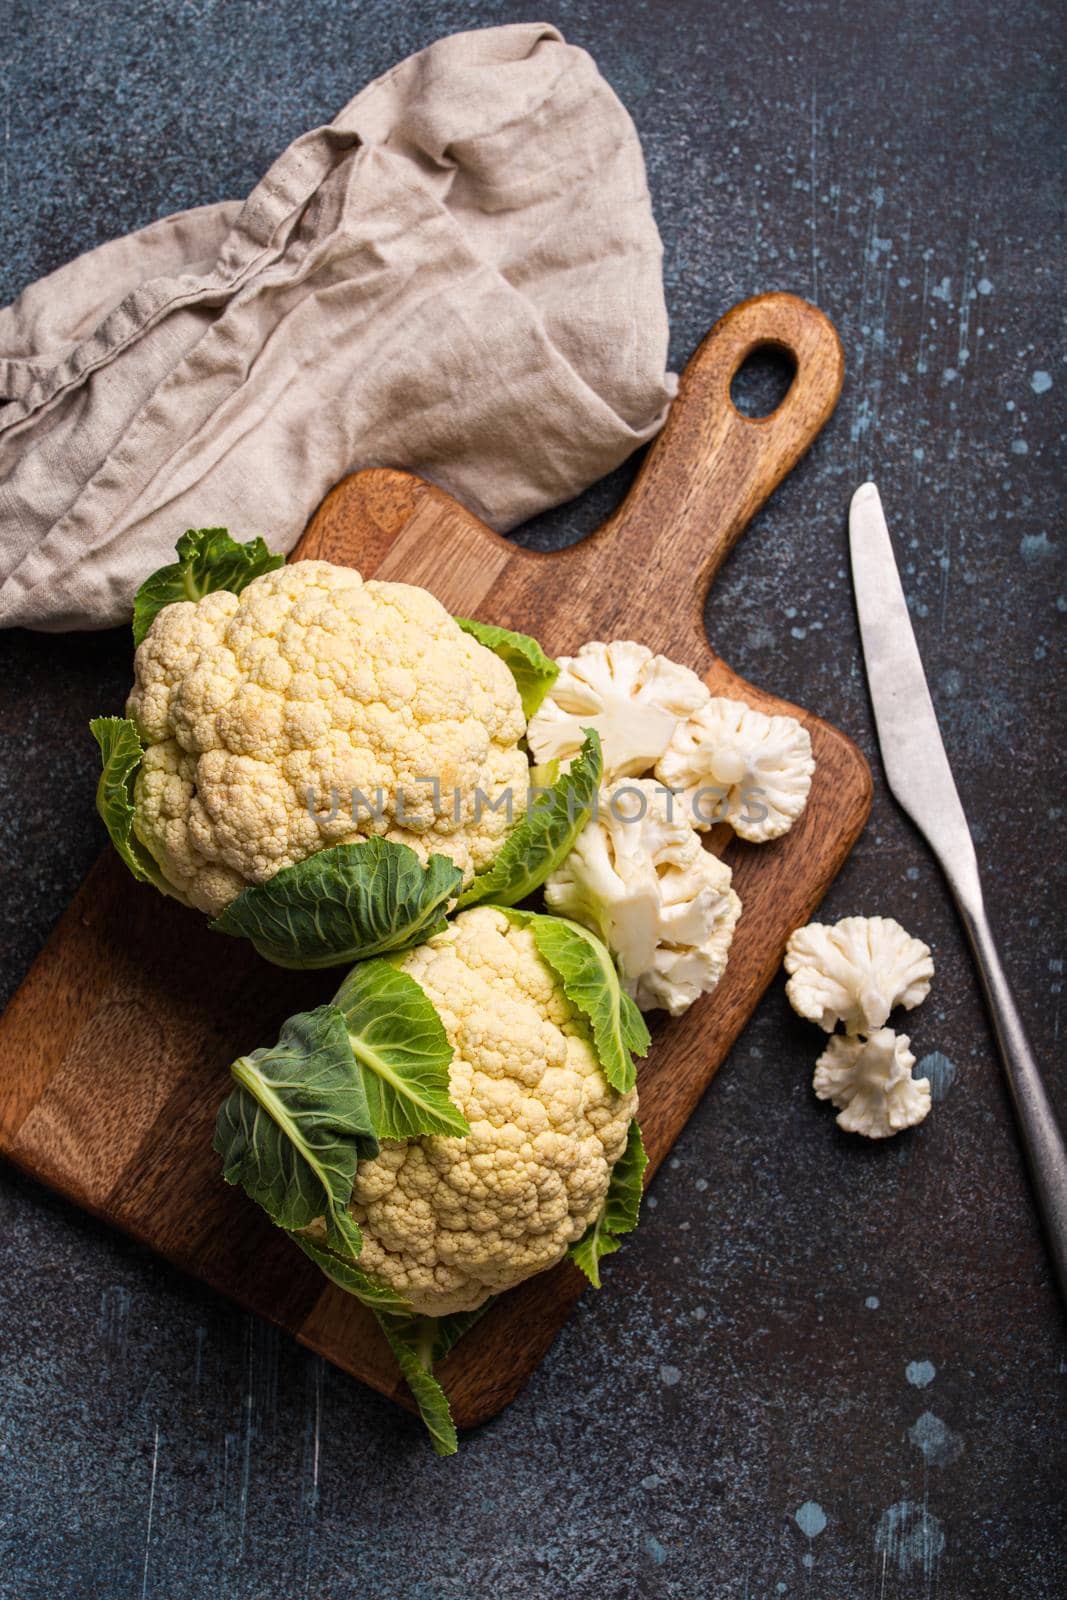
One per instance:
(736,765)
(855,972)
(632,698)
(448,1222)
(314,709)
(869,1080)
(639,877)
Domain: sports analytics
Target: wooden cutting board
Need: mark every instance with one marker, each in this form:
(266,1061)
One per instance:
(114,1052)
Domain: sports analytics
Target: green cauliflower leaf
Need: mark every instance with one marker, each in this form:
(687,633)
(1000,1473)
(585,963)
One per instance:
(208,559)
(590,981)
(121,753)
(536,845)
(296,1125)
(621,1208)
(533,671)
(344,904)
(403,1052)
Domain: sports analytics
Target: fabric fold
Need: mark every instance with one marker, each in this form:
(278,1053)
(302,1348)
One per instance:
(460,276)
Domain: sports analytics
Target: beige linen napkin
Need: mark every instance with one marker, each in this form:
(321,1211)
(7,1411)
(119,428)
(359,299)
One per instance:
(460,276)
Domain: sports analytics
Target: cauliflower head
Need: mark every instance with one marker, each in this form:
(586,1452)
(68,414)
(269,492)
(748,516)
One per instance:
(755,770)
(869,1080)
(263,711)
(447,1222)
(639,877)
(855,972)
(632,698)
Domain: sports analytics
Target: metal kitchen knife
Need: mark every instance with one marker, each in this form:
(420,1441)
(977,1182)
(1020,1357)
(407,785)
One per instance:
(921,779)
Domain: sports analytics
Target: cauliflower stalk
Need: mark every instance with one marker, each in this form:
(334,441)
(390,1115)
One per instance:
(730,763)
(855,973)
(639,877)
(459,1118)
(736,765)
(664,906)
(870,1082)
(632,698)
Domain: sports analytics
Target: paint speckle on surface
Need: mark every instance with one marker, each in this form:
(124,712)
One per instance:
(940,1071)
(654,1549)
(984,286)
(872,1302)
(1041,382)
(1019,447)
(910,1536)
(669,1376)
(810,1518)
(937,1441)
(920,1373)
(1035,547)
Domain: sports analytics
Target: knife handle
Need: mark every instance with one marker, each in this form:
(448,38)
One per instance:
(1041,1137)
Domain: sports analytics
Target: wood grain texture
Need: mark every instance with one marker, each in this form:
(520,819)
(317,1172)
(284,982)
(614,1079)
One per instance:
(115,1050)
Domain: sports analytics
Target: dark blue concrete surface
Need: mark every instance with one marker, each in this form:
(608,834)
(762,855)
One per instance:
(822,1368)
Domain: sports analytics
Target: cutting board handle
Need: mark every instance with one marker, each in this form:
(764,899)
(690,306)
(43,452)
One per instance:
(712,468)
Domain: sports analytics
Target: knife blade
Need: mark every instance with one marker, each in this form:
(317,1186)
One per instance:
(919,776)
(913,755)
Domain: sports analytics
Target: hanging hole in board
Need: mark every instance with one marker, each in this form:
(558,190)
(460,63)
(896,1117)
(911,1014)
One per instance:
(763,380)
